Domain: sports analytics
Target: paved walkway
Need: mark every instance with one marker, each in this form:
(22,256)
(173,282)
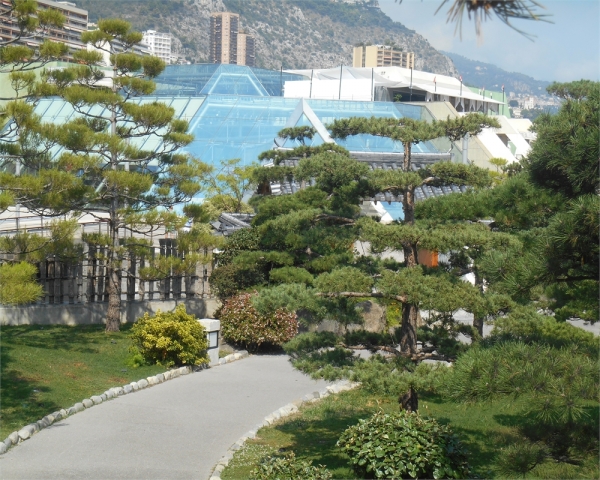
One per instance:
(178,429)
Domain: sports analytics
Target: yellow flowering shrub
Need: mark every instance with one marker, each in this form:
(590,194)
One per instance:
(170,338)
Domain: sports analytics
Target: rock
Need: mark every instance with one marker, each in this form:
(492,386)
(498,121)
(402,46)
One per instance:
(117,391)
(436,362)
(50,419)
(104,397)
(64,413)
(109,395)
(184,370)
(175,373)
(152,380)
(71,411)
(374,316)
(166,375)
(79,407)
(269,419)
(41,424)
(96,399)
(237,356)
(3,448)
(7,441)
(244,353)
(13,437)
(308,397)
(143,383)
(160,377)
(230,358)
(26,432)
(219,468)
(235,447)
(222,361)
(251,434)
(135,386)
(87,403)
(127,389)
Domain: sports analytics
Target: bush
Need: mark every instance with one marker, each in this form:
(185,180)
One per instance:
(170,338)
(403,445)
(289,467)
(241,323)
(519,459)
(228,280)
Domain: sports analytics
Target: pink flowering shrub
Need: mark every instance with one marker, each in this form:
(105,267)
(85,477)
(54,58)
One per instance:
(242,324)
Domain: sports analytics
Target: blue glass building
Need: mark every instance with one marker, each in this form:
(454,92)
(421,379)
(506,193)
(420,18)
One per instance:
(236,112)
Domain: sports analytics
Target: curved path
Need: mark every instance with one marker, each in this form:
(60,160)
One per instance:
(178,429)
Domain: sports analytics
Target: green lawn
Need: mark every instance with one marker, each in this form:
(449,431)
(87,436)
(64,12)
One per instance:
(312,433)
(46,368)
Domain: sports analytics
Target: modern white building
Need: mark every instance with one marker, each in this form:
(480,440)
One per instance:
(159,44)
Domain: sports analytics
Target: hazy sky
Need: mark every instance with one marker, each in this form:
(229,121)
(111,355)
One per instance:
(568,49)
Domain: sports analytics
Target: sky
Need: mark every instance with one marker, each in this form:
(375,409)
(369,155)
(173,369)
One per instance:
(567,49)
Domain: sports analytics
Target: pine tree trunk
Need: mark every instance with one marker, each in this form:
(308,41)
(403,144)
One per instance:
(408,331)
(478,325)
(409,401)
(113,314)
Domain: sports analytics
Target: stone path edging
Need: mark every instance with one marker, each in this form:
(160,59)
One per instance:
(28,431)
(282,412)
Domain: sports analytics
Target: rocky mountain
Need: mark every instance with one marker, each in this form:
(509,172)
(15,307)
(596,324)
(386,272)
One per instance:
(479,74)
(289,33)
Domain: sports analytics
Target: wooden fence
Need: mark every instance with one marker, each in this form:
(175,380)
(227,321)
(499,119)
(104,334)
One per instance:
(85,281)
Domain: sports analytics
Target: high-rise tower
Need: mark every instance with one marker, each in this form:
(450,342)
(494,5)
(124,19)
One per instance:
(227,45)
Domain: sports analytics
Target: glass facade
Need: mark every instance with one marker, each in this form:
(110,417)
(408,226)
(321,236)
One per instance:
(236,112)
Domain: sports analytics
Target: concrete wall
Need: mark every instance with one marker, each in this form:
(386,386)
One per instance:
(95,313)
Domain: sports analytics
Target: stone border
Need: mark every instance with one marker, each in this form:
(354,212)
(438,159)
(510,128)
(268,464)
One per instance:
(28,431)
(285,411)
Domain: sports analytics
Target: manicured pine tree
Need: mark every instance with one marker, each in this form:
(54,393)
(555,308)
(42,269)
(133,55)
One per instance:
(102,165)
(404,182)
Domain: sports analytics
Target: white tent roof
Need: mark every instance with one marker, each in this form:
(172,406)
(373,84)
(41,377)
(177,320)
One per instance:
(398,77)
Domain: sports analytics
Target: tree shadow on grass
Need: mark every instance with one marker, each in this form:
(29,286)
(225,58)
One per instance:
(53,337)
(19,397)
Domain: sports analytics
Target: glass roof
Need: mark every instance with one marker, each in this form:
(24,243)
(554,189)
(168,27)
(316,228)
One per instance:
(243,126)
(212,78)
(236,112)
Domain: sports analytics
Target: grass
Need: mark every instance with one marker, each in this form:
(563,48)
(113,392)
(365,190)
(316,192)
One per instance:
(312,434)
(46,368)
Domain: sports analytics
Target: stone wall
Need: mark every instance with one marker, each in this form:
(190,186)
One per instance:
(95,313)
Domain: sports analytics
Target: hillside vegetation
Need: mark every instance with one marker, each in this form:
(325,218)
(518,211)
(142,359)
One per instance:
(480,74)
(289,33)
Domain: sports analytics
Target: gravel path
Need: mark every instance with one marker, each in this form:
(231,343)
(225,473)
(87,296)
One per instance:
(178,429)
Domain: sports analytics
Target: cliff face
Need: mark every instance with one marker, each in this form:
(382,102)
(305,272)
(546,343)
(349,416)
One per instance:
(289,33)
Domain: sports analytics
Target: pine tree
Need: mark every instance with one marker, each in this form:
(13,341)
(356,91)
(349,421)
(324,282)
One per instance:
(102,165)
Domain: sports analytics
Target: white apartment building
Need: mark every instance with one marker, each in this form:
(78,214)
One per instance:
(159,44)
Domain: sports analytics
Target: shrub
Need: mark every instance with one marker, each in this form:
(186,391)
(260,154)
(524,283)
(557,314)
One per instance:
(228,280)
(170,338)
(519,459)
(241,323)
(403,445)
(289,467)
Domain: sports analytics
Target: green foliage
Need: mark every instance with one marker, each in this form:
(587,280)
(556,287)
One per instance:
(291,275)
(564,157)
(245,239)
(280,468)
(18,284)
(230,279)
(242,324)
(309,342)
(229,185)
(404,445)
(170,338)
(519,459)
(525,325)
